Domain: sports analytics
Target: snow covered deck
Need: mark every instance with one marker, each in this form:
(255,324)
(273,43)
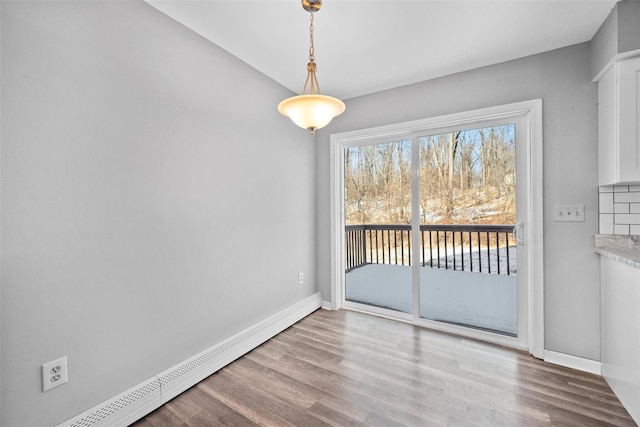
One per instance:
(487,301)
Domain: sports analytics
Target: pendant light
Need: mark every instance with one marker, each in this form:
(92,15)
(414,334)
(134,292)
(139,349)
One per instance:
(311,110)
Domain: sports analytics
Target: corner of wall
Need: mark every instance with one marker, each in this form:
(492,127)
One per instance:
(618,35)
(604,45)
(628,28)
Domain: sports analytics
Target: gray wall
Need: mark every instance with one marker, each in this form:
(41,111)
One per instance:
(604,44)
(154,202)
(561,79)
(619,33)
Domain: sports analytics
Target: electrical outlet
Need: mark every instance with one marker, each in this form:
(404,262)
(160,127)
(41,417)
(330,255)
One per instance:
(570,213)
(54,373)
(300,278)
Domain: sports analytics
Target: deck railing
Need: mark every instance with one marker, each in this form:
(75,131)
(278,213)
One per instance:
(467,247)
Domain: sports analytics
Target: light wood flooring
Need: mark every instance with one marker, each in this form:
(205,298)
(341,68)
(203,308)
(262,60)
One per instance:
(342,368)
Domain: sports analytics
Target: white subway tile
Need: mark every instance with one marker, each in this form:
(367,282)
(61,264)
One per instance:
(606,203)
(606,224)
(606,189)
(621,229)
(621,208)
(634,230)
(626,198)
(634,188)
(620,188)
(627,219)
(634,207)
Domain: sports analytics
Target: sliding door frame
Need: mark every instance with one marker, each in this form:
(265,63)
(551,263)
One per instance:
(530,113)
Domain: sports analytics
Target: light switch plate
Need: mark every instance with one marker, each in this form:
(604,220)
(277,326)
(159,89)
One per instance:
(569,213)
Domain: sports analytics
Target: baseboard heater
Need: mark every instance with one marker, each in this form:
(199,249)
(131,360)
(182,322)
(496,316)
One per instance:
(138,401)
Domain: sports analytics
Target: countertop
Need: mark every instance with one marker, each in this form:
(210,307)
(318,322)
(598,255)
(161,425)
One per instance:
(625,249)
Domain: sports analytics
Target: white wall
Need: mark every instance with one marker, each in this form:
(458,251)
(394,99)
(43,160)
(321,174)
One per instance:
(154,202)
(561,79)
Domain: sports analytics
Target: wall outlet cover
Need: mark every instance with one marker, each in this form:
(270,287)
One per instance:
(54,373)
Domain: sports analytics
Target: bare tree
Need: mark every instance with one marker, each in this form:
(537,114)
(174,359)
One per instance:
(464,177)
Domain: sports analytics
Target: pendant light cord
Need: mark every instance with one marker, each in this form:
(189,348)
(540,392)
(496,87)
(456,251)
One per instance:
(311,66)
(311,47)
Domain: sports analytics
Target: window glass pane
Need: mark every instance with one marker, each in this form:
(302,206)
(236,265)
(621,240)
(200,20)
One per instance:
(467,214)
(377,188)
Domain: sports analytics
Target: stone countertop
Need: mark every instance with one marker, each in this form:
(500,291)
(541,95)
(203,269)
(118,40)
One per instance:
(625,249)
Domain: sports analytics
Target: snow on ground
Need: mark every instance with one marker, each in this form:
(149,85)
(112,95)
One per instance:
(480,260)
(487,260)
(487,301)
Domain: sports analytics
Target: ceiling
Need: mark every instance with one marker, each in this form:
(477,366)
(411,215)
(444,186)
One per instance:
(366,46)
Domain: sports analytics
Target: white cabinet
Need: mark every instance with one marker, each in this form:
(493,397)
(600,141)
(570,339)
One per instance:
(620,331)
(619,123)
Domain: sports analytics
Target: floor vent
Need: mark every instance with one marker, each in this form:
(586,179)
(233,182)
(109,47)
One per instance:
(138,401)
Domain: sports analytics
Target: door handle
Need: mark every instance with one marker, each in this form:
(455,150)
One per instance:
(518,233)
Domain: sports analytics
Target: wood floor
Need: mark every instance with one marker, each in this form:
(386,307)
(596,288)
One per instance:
(349,369)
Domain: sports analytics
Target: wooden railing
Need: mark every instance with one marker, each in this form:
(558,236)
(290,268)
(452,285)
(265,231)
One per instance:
(467,247)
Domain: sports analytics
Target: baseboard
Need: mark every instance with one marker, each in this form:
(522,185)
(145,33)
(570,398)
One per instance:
(133,404)
(326,305)
(190,372)
(574,362)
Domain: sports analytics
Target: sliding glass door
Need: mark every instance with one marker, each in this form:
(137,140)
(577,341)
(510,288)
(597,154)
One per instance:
(430,222)
(468,254)
(377,217)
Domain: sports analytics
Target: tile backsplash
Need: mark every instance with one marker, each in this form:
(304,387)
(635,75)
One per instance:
(619,209)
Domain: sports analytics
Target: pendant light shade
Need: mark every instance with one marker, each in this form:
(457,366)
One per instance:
(311,110)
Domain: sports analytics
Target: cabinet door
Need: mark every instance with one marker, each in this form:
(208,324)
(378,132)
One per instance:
(620,331)
(629,120)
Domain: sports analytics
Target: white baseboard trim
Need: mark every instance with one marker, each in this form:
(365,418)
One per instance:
(326,305)
(131,405)
(574,362)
